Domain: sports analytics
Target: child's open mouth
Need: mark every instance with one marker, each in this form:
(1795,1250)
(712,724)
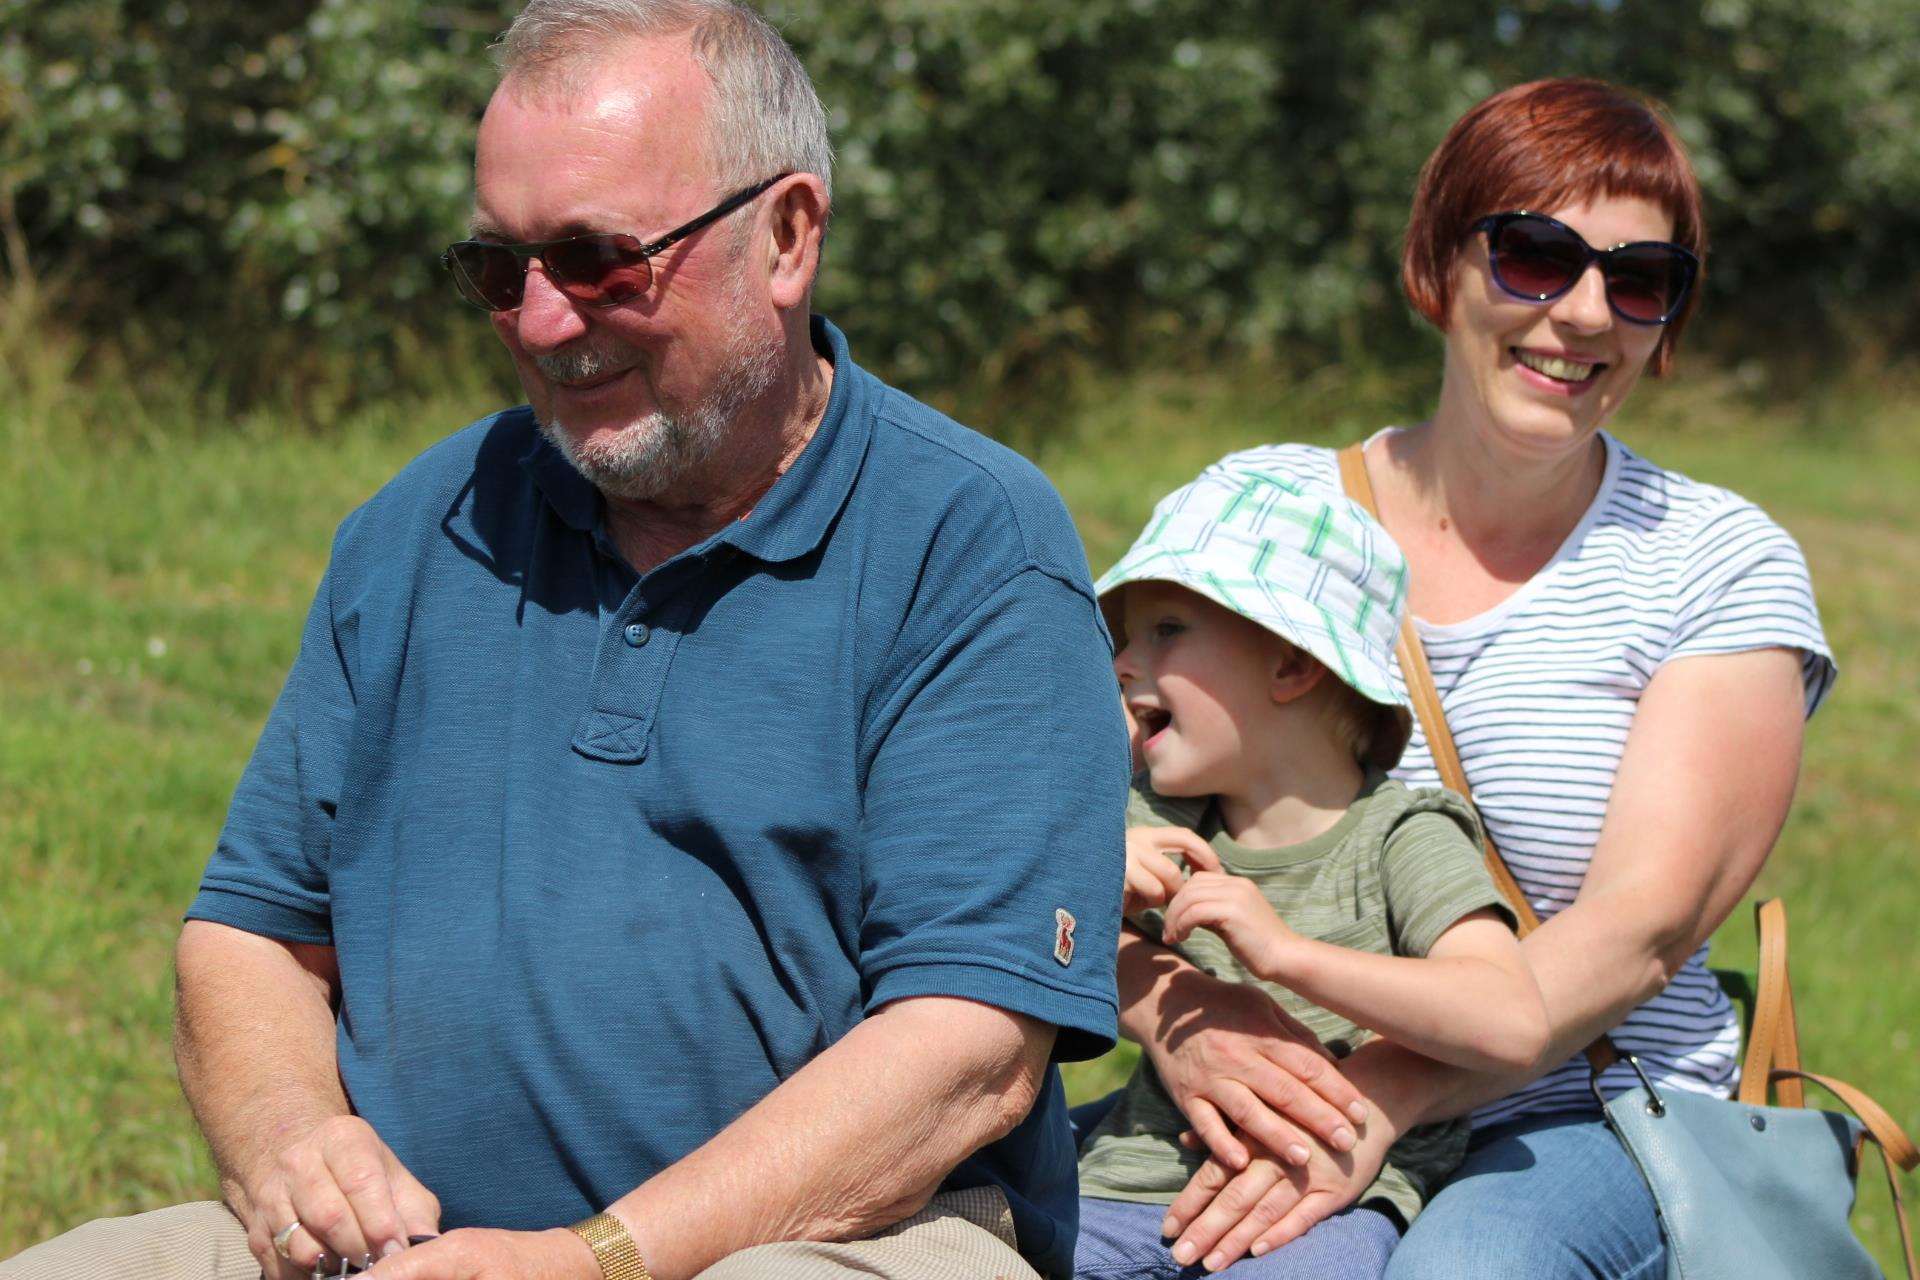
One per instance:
(1152,721)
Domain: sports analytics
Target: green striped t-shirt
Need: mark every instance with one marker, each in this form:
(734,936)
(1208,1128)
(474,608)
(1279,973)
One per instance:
(1396,872)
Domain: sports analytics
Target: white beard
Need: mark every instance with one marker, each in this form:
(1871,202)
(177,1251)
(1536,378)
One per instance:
(659,451)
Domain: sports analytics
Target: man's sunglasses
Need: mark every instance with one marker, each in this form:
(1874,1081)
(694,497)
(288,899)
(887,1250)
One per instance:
(1538,258)
(603,269)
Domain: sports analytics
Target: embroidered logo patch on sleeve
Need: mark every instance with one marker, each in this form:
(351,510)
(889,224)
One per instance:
(1063,923)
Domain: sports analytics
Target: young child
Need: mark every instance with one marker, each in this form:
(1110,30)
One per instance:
(1254,635)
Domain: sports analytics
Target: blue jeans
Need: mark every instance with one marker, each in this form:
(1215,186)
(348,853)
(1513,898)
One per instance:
(1120,1240)
(1541,1198)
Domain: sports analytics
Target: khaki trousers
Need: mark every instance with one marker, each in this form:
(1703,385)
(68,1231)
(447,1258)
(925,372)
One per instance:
(961,1235)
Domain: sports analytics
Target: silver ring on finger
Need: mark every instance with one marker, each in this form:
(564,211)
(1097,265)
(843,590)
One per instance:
(283,1237)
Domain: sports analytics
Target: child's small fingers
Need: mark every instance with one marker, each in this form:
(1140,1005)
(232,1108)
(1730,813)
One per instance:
(1199,853)
(1143,890)
(1182,918)
(1164,873)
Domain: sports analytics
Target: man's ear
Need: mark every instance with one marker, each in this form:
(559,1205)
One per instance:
(798,209)
(1295,673)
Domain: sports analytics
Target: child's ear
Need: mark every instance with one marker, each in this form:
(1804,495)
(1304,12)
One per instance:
(1295,673)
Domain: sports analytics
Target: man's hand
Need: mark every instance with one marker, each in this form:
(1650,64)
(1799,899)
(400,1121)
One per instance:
(1152,876)
(350,1194)
(1223,1215)
(1234,1060)
(481,1254)
(1234,908)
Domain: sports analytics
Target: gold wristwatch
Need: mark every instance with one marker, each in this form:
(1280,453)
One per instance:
(613,1248)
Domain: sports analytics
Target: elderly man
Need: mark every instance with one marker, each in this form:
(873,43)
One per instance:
(695,812)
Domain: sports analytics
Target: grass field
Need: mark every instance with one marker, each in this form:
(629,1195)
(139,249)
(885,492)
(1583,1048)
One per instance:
(154,566)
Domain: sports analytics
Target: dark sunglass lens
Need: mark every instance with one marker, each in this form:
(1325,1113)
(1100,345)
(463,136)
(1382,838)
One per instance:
(601,270)
(1536,258)
(1645,283)
(488,275)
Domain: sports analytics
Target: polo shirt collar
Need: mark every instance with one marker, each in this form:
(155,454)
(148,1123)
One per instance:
(570,494)
(794,516)
(797,511)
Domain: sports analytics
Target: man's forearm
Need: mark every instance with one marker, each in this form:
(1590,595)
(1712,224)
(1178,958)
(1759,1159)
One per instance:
(254,1041)
(857,1140)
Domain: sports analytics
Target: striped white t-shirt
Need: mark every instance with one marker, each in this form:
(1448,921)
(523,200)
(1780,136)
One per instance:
(1540,691)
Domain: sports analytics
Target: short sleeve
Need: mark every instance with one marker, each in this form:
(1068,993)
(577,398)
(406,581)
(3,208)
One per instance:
(1433,874)
(1745,586)
(268,873)
(993,825)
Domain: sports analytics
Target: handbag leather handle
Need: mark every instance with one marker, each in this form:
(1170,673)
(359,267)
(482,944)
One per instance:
(1425,696)
(1774,1039)
(1895,1146)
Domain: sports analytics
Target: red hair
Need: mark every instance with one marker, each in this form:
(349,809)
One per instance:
(1542,146)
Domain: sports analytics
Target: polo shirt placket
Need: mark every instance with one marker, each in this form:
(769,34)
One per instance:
(635,651)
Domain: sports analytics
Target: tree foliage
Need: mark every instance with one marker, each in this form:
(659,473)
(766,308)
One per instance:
(1018,178)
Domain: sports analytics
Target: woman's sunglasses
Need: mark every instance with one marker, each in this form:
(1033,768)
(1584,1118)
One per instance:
(1538,258)
(604,269)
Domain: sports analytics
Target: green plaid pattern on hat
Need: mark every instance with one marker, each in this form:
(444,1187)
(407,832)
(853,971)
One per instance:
(1315,569)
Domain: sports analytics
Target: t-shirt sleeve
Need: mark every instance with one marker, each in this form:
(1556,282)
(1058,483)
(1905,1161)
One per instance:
(1745,586)
(994,837)
(268,872)
(1433,874)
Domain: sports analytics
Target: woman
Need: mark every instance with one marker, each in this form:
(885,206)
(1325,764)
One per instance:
(1627,659)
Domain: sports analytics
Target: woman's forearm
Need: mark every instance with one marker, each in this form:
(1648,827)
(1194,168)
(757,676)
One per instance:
(1592,974)
(1146,974)
(1469,1010)
(1689,824)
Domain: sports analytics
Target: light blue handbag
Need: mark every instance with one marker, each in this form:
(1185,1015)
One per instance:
(1748,1191)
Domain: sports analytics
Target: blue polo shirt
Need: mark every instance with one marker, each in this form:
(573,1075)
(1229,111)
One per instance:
(605,858)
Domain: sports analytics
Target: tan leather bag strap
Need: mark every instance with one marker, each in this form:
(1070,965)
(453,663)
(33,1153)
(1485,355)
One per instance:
(1425,695)
(1773,1041)
(1895,1146)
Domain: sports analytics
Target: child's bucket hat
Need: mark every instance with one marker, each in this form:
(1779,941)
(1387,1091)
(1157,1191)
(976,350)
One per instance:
(1314,569)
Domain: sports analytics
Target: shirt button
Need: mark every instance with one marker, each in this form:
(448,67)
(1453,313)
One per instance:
(637,634)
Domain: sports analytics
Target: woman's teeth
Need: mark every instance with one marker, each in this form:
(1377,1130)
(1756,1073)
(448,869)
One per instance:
(1555,367)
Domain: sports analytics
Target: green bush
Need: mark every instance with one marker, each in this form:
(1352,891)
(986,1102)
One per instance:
(264,186)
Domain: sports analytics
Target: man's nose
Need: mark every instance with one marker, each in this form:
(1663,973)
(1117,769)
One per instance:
(546,319)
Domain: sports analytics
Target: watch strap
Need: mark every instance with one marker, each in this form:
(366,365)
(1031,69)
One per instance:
(613,1247)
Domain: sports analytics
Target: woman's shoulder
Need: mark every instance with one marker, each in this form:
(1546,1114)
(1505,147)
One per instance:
(1689,516)
(1732,577)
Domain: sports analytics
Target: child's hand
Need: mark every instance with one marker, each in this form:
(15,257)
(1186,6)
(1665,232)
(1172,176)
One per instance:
(1152,877)
(1232,906)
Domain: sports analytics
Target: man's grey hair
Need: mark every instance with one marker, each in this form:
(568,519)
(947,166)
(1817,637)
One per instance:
(766,117)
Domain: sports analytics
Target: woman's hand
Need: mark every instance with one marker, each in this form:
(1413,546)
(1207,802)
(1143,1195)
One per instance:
(1223,1214)
(1233,1060)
